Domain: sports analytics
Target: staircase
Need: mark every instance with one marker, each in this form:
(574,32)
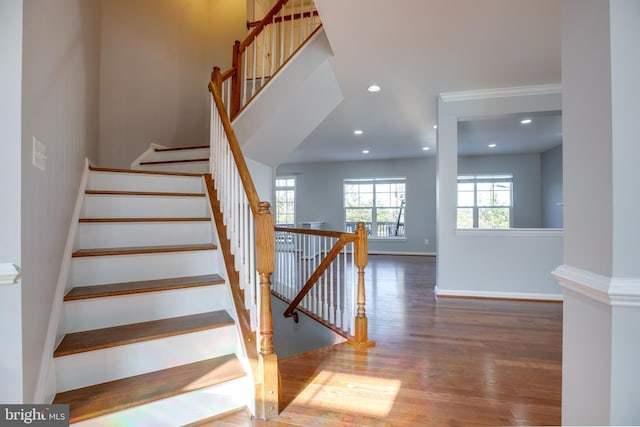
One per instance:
(179,159)
(150,333)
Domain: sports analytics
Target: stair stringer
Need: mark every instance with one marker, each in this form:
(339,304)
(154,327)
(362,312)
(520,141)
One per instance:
(294,102)
(46,385)
(243,316)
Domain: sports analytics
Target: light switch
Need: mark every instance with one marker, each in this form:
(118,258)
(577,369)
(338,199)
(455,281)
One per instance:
(39,154)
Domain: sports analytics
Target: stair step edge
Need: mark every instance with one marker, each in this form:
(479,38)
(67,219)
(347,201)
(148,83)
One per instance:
(143,219)
(114,336)
(105,398)
(141,193)
(136,250)
(138,287)
(195,147)
(147,172)
(168,162)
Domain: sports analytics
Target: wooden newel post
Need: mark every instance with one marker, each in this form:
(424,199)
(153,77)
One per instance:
(216,78)
(236,63)
(361,260)
(268,391)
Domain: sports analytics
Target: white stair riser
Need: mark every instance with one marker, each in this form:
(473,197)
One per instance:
(99,270)
(112,235)
(163,156)
(95,313)
(144,182)
(108,206)
(180,410)
(94,367)
(189,167)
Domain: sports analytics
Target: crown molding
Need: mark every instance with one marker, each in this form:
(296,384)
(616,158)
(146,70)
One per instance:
(471,95)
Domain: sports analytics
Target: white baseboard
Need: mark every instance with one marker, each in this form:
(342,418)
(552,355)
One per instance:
(496,295)
(401,253)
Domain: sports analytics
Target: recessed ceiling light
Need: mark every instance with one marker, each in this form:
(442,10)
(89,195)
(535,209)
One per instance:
(425,148)
(374,88)
(358,132)
(492,145)
(365,151)
(525,121)
(435,126)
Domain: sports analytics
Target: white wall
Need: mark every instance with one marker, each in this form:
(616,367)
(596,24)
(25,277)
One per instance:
(601,275)
(10,167)
(263,177)
(59,107)
(499,263)
(319,192)
(156,60)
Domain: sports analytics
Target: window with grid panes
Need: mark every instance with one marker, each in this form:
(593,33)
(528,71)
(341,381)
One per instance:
(286,201)
(379,203)
(485,201)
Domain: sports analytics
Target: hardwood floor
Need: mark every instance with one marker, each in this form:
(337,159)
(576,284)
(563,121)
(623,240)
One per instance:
(451,362)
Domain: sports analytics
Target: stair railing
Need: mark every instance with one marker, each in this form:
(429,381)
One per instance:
(322,274)
(269,45)
(249,225)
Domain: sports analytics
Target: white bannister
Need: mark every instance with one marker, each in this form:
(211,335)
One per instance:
(238,217)
(333,298)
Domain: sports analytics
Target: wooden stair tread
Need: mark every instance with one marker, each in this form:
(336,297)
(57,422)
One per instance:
(141,193)
(182,219)
(79,342)
(101,399)
(134,250)
(168,162)
(195,147)
(126,288)
(116,170)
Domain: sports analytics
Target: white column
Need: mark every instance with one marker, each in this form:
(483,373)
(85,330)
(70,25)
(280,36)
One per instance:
(601,274)
(10,166)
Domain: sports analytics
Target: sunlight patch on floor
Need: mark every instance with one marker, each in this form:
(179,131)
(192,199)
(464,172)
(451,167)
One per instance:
(351,393)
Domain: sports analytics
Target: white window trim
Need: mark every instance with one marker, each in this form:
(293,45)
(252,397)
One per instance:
(481,178)
(397,179)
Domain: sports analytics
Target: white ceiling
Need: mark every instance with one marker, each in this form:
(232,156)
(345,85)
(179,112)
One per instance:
(416,49)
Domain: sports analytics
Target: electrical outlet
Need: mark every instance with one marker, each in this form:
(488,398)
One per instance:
(426,241)
(39,154)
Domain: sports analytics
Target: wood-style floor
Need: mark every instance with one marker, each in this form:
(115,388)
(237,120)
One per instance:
(450,362)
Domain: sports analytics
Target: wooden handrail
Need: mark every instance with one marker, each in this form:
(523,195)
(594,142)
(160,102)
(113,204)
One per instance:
(326,262)
(360,258)
(325,233)
(285,18)
(263,23)
(234,145)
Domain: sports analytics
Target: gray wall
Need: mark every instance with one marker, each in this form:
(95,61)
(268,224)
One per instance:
(156,59)
(526,182)
(61,45)
(320,196)
(552,199)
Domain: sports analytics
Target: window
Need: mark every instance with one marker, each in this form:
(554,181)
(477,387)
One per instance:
(379,203)
(484,201)
(286,201)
